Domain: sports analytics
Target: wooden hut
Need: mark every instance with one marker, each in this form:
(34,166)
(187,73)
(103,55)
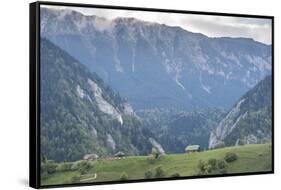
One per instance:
(192,148)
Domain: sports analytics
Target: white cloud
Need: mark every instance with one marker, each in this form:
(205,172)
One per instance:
(212,26)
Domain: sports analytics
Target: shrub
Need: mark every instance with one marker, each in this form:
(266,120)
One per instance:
(66,166)
(204,167)
(230,157)
(83,166)
(155,153)
(74,166)
(49,167)
(207,169)
(124,176)
(221,164)
(148,174)
(159,172)
(212,162)
(213,166)
(175,175)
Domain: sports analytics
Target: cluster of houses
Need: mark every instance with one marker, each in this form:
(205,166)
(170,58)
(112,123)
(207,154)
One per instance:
(120,154)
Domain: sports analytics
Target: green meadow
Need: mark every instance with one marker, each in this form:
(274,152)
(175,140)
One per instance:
(250,158)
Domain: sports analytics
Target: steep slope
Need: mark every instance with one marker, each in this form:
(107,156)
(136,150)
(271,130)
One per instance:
(175,130)
(80,114)
(250,119)
(158,66)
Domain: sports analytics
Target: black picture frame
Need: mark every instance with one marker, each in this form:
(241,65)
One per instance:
(34,91)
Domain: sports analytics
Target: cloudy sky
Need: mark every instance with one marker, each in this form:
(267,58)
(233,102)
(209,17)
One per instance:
(212,26)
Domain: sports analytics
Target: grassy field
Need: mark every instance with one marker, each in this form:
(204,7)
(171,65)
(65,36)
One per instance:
(251,158)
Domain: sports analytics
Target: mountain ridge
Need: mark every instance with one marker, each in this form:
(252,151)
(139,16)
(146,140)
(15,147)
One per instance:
(158,66)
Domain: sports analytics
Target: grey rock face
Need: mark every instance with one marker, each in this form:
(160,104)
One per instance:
(157,146)
(111,141)
(226,125)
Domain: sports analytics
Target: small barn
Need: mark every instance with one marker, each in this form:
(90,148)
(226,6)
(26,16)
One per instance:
(90,157)
(192,148)
(119,154)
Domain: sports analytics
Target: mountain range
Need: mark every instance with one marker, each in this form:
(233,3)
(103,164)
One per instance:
(158,66)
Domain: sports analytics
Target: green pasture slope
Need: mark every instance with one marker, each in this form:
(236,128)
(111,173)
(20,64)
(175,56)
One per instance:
(251,158)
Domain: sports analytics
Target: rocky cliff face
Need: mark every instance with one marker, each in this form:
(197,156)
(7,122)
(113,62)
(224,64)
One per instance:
(250,119)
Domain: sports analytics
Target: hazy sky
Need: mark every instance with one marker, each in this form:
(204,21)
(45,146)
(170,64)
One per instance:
(212,26)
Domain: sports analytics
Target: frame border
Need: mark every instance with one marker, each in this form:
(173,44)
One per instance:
(34,92)
(34,101)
